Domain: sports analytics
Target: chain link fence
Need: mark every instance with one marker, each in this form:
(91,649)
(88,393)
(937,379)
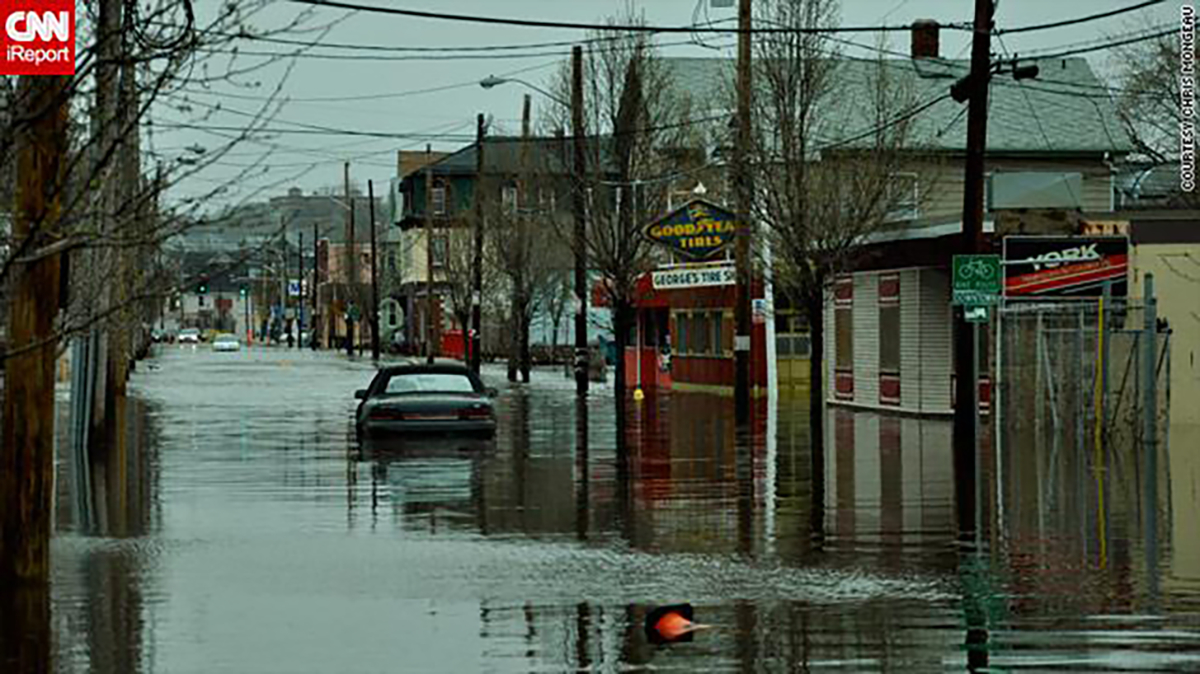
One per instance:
(1082,402)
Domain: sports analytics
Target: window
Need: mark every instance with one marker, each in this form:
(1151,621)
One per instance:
(903,197)
(508,199)
(391,261)
(843,322)
(682,335)
(438,252)
(718,328)
(889,324)
(426,382)
(702,334)
(439,200)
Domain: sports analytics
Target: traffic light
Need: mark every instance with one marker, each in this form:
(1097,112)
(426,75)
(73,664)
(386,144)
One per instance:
(243,291)
(202,287)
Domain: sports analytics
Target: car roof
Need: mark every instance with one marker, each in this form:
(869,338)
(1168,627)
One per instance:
(415,367)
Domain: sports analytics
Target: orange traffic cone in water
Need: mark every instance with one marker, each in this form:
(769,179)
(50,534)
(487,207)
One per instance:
(667,624)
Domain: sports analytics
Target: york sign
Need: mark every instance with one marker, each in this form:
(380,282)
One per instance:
(1065,266)
(699,230)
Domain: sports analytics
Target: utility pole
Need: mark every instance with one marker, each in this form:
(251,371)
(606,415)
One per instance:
(429,334)
(744,288)
(316,288)
(27,440)
(476,343)
(105,129)
(966,381)
(522,321)
(350,266)
(580,240)
(374,275)
(282,279)
(301,298)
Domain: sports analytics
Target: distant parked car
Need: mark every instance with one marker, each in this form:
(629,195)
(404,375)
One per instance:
(226,342)
(189,336)
(423,398)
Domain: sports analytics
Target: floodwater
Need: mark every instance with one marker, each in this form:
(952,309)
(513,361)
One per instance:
(241,529)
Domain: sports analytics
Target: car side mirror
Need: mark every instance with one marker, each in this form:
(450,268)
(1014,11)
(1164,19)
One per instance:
(492,392)
(361,394)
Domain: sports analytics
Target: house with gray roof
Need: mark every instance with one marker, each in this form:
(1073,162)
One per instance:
(1054,145)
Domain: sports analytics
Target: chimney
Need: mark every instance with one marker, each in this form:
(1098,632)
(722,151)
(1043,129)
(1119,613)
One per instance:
(925,39)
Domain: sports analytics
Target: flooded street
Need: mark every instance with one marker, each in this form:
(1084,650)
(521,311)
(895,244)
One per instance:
(243,529)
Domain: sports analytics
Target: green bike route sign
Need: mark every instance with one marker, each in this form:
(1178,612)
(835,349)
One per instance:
(977,280)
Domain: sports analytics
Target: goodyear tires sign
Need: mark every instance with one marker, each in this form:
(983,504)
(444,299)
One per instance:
(698,231)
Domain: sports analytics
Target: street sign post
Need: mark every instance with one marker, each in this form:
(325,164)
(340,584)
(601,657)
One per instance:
(975,314)
(977,280)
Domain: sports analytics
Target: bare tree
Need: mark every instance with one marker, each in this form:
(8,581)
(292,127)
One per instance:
(1148,100)
(459,264)
(1147,76)
(817,200)
(139,67)
(524,247)
(634,117)
(143,62)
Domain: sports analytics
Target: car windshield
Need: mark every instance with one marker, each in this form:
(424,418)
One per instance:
(226,338)
(189,331)
(430,382)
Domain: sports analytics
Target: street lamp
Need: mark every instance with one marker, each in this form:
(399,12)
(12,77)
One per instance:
(492,81)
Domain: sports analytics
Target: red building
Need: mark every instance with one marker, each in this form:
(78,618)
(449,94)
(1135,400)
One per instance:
(685,329)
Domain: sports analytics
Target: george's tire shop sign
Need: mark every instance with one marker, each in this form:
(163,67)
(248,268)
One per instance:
(1065,266)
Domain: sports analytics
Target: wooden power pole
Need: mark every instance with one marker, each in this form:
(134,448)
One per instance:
(315,319)
(351,252)
(741,346)
(27,443)
(580,238)
(476,342)
(374,274)
(429,332)
(966,380)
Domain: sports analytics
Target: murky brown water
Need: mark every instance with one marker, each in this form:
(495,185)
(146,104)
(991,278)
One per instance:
(242,530)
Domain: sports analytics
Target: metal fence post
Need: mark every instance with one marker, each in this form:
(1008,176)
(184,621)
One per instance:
(1150,411)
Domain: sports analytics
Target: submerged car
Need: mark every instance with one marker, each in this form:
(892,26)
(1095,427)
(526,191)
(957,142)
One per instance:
(226,342)
(425,398)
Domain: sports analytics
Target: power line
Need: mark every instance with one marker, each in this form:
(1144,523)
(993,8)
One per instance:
(900,119)
(314,130)
(1101,47)
(430,55)
(1078,20)
(373,97)
(441,49)
(533,23)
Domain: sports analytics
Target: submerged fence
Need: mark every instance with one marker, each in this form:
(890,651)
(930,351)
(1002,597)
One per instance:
(1081,402)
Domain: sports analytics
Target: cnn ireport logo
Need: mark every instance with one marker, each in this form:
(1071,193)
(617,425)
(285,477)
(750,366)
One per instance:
(37,37)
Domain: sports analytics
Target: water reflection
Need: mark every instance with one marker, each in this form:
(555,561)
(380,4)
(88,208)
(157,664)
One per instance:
(25,636)
(242,529)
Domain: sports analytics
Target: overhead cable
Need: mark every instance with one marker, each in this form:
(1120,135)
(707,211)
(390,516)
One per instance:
(596,27)
(1079,20)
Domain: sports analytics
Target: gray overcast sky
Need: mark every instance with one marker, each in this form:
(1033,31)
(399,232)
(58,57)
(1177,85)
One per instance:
(315,161)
